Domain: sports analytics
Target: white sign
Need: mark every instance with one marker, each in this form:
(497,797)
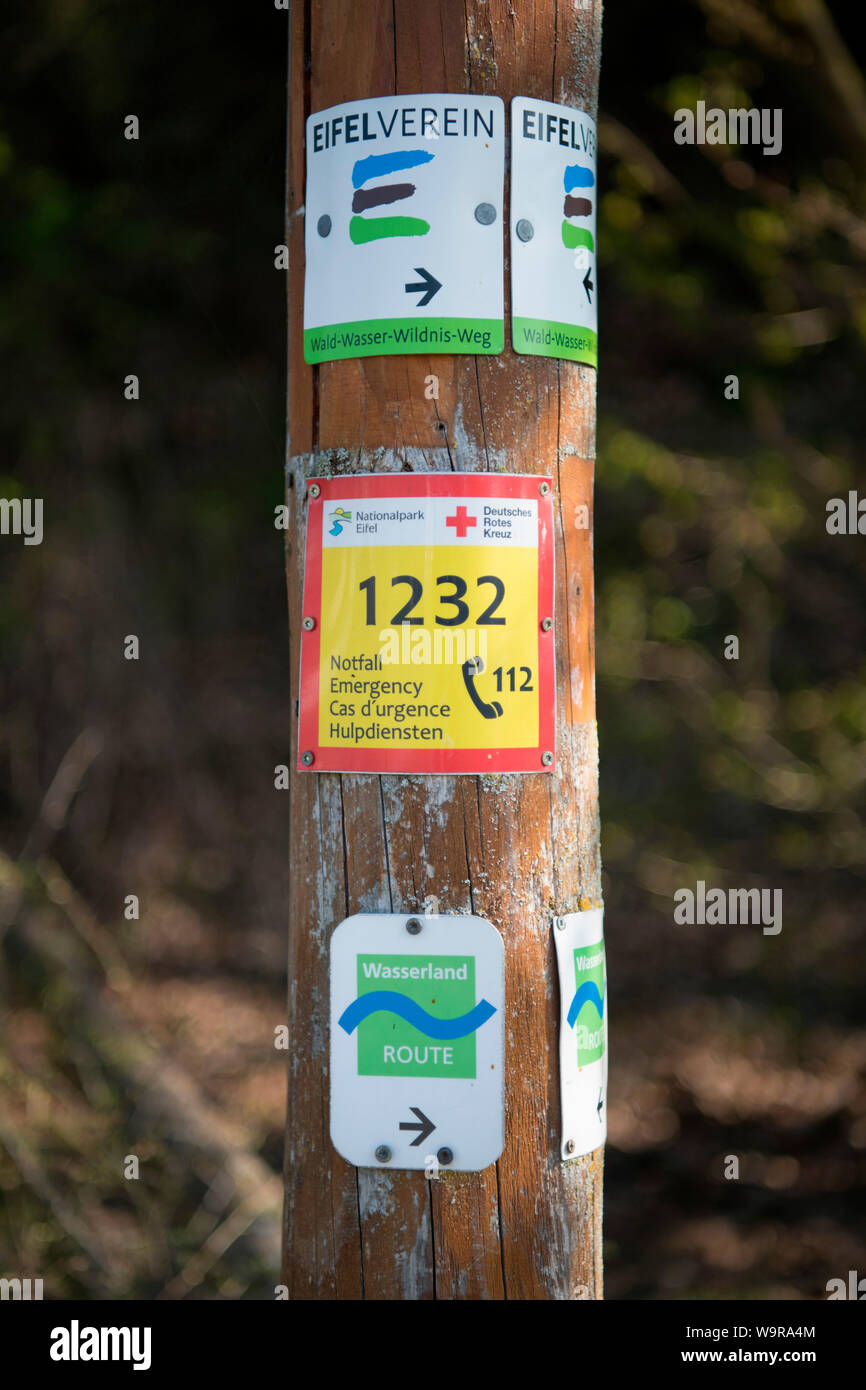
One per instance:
(417,1042)
(403,229)
(553,237)
(579,941)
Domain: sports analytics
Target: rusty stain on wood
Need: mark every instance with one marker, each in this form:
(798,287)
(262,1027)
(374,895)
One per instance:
(515,849)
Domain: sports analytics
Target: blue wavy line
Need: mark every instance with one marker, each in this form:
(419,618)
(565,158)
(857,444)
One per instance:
(390,1001)
(586,994)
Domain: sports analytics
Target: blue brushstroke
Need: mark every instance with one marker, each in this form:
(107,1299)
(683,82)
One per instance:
(575,176)
(587,994)
(390,1001)
(377,164)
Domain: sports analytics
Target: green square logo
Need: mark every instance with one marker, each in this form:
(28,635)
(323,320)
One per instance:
(589,1002)
(441,987)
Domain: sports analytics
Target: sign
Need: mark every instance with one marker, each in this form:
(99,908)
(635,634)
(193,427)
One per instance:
(579,941)
(427,642)
(417,1041)
(553,238)
(403,229)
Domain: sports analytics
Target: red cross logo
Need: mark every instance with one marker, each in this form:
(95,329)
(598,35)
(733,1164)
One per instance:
(461,521)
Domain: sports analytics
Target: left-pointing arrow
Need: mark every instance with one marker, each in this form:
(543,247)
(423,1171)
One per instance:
(426,1126)
(429,284)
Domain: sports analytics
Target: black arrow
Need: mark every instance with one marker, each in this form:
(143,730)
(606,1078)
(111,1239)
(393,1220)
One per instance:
(430,285)
(426,1126)
(587,284)
(598,1108)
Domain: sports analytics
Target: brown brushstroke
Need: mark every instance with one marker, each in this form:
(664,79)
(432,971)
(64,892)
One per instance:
(375,197)
(577,207)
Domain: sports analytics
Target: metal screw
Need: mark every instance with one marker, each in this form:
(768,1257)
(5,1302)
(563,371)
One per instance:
(544,488)
(308,758)
(413,926)
(383,1153)
(323,226)
(525,230)
(559,923)
(314,489)
(485,213)
(310,623)
(547,759)
(546,624)
(570,1146)
(445,1156)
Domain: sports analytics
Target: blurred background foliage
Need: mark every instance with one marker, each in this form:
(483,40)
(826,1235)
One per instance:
(154,1036)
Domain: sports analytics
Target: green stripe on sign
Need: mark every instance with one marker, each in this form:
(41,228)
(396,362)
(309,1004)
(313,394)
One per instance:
(546,338)
(572,237)
(385,337)
(363,229)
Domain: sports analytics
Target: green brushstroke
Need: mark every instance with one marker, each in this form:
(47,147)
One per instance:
(363,229)
(572,237)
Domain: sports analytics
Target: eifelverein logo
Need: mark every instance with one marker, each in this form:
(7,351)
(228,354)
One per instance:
(363,229)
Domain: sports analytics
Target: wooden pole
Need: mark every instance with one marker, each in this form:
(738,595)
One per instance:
(515,849)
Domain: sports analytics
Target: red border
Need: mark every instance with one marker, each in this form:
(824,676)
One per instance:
(442,760)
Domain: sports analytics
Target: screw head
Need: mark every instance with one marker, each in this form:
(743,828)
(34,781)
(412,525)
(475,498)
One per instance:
(315,490)
(546,624)
(383,1153)
(445,1156)
(547,759)
(323,226)
(525,230)
(570,1146)
(485,213)
(308,758)
(413,926)
(309,624)
(559,923)
(544,489)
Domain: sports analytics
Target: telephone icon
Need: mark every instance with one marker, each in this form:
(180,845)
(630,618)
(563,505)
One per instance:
(470,669)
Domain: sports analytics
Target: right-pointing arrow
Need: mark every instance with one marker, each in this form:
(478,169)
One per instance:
(426,1126)
(429,284)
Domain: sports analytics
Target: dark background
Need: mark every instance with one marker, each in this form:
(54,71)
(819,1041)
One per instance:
(154,1037)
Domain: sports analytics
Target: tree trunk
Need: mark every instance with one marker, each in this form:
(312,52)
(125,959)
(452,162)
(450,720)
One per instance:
(515,849)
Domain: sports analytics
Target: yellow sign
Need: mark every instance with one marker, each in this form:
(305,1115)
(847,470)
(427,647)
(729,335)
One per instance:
(427,641)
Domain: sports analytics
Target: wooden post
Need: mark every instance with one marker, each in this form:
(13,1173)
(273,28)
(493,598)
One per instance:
(515,849)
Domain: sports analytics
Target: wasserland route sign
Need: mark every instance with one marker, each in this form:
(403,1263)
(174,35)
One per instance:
(579,941)
(427,643)
(553,239)
(417,1041)
(403,227)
